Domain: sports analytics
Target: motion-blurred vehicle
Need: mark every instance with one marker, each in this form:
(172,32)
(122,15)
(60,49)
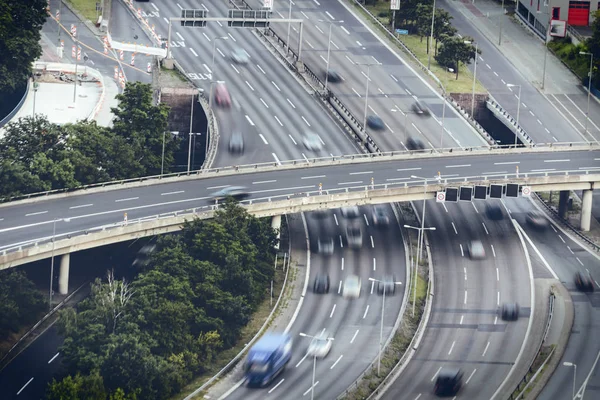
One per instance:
(143,256)
(333,76)
(585,283)
(420,108)
(236,143)
(375,122)
(325,246)
(510,311)
(237,192)
(537,220)
(321,284)
(354,236)
(312,141)
(476,250)
(387,284)
(350,212)
(267,358)
(222,97)
(320,345)
(494,212)
(239,56)
(352,286)
(380,218)
(415,144)
(448,382)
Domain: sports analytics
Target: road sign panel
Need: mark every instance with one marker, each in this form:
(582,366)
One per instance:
(452,194)
(496,191)
(395,5)
(526,191)
(466,193)
(512,190)
(481,192)
(402,31)
(440,197)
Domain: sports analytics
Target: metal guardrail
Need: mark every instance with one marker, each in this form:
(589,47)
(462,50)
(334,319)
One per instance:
(321,162)
(199,211)
(521,132)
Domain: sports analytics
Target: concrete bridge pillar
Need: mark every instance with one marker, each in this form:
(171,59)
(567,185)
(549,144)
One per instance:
(586,210)
(276,224)
(563,203)
(63,278)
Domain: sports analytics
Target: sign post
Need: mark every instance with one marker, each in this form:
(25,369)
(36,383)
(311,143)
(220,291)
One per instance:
(394,6)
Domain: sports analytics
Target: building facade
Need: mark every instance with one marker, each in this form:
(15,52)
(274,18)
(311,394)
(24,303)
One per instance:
(537,13)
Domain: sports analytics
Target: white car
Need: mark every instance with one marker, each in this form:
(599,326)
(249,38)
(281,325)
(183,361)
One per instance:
(239,56)
(354,236)
(350,212)
(320,346)
(325,246)
(380,218)
(352,286)
(476,250)
(312,141)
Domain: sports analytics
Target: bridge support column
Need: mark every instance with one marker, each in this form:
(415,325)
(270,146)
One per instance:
(276,224)
(586,210)
(63,278)
(563,203)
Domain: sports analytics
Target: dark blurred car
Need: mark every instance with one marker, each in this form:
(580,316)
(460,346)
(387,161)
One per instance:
(237,192)
(222,96)
(333,76)
(387,283)
(494,212)
(585,283)
(321,284)
(325,246)
(236,143)
(380,218)
(350,212)
(448,382)
(420,108)
(510,311)
(375,122)
(415,144)
(537,220)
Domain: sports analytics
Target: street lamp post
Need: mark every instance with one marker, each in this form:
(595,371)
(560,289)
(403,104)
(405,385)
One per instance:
(312,388)
(570,364)
(367,95)
(328,48)
(518,111)
(381,329)
(35,89)
(191,123)
(587,113)
(212,67)
(546,44)
(501,25)
(431,40)
(162,163)
(287,42)
(474,77)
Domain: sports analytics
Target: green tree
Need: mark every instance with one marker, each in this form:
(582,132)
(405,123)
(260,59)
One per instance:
(89,387)
(442,27)
(20,25)
(21,302)
(593,44)
(142,125)
(454,50)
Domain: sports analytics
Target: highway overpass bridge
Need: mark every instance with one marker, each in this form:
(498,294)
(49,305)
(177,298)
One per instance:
(113,212)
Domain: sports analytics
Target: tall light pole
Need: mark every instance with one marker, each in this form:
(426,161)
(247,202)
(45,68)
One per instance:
(287,42)
(367,95)
(501,25)
(52,257)
(431,40)
(191,123)
(328,47)
(312,389)
(518,111)
(162,164)
(546,43)
(381,329)
(474,77)
(35,89)
(587,113)
(212,67)
(570,364)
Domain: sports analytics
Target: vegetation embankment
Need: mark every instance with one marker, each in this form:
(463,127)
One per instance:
(149,337)
(570,54)
(451,53)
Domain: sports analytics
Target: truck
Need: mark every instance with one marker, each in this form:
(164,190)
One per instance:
(267,358)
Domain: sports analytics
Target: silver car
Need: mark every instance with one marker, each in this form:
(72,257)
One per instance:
(239,56)
(236,143)
(352,286)
(354,235)
(476,250)
(312,141)
(380,218)
(320,345)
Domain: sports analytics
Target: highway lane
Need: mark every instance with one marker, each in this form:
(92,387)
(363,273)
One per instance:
(353,323)
(27,222)
(273,110)
(566,257)
(392,85)
(464,329)
(544,118)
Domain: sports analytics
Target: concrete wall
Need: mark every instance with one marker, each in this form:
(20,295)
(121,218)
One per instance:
(464,100)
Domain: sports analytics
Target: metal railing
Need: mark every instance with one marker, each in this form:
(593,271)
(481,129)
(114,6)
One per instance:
(320,162)
(521,132)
